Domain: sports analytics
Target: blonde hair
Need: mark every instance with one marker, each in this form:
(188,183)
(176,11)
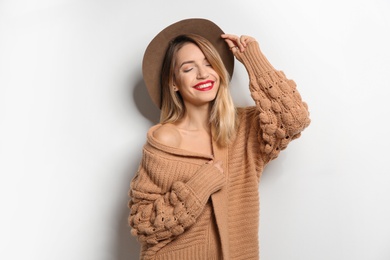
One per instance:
(223,118)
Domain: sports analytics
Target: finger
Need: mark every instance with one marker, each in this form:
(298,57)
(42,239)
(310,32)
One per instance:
(233,38)
(229,36)
(218,165)
(245,39)
(232,46)
(240,43)
(219,162)
(229,42)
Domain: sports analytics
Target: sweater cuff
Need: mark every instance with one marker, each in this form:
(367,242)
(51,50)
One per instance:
(207,180)
(254,60)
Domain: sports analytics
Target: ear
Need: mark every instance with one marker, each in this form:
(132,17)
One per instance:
(175,88)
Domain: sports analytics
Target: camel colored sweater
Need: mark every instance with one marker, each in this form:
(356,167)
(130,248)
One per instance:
(184,208)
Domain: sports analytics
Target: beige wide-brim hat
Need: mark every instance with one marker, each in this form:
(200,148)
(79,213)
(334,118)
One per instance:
(155,52)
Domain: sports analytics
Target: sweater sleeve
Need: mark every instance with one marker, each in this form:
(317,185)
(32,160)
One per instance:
(282,113)
(158,216)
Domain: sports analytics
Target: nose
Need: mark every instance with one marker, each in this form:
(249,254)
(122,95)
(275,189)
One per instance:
(202,73)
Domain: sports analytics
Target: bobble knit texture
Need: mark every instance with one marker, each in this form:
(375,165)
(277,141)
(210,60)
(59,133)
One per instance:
(181,207)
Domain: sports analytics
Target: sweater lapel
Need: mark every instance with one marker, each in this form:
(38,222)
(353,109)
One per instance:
(219,200)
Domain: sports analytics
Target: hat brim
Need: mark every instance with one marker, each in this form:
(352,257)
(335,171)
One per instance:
(155,52)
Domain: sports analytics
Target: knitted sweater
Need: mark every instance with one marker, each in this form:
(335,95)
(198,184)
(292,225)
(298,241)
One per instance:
(183,207)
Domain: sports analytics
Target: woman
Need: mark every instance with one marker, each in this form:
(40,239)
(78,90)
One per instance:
(195,195)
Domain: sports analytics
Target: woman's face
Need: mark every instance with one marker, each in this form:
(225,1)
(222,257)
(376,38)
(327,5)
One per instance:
(195,79)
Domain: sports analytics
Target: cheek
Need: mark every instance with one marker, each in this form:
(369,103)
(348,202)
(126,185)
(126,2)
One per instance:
(218,78)
(219,82)
(219,85)
(215,74)
(184,80)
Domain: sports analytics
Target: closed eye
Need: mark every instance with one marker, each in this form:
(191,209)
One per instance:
(207,63)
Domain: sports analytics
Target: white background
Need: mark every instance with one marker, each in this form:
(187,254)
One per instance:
(74,114)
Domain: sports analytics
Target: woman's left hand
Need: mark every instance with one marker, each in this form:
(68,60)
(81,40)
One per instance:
(237,43)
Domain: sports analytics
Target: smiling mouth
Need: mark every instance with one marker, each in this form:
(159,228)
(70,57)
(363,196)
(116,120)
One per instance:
(204,86)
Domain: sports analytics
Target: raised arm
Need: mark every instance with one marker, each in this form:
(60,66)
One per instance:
(282,113)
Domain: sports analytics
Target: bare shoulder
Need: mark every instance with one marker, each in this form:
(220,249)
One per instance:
(168,134)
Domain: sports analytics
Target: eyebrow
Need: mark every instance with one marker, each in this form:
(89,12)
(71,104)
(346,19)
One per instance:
(190,61)
(186,62)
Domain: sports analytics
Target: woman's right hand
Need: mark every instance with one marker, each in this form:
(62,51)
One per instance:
(217,164)
(237,43)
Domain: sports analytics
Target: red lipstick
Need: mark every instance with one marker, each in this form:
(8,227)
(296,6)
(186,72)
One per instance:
(204,85)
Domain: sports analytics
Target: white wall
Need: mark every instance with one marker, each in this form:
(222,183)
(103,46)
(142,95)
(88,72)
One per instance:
(74,113)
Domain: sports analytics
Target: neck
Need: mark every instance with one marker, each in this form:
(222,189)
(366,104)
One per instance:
(196,118)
